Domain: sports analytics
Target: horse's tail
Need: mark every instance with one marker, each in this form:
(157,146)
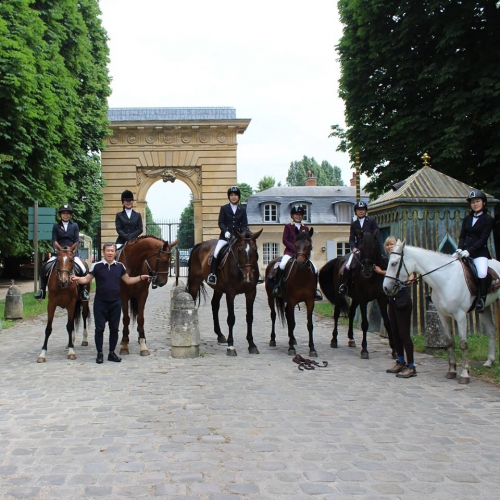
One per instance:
(329,284)
(201,291)
(280,308)
(134,308)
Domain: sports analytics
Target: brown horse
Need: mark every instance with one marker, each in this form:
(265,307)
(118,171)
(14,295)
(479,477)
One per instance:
(64,293)
(238,272)
(298,285)
(142,255)
(364,286)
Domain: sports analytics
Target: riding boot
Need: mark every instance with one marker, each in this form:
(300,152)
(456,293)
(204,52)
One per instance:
(212,277)
(317,294)
(343,286)
(43,284)
(277,292)
(83,292)
(481,297)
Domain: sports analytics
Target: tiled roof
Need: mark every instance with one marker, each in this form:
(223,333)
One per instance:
(167,114)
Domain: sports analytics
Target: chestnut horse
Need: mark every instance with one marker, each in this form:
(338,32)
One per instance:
(142,255)
(238,272)
(64,293)
(298,285)
(364,286)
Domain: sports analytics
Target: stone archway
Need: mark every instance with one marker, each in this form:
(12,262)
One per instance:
(195,145)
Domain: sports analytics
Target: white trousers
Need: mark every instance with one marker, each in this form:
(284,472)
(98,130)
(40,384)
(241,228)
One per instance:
(481,264)
(286,258)
(78,261)
(220,244)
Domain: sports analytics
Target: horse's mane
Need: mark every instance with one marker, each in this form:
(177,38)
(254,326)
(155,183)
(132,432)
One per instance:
(138,238)
(370,246)
(432,254)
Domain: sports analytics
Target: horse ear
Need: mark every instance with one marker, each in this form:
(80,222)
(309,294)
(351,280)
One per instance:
(73,246)
(58,247)
(311,231)
(257,234)
(172,245)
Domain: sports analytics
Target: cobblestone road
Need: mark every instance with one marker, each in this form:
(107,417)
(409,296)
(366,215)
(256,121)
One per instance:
(249,427)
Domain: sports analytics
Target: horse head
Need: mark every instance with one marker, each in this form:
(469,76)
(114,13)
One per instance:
(369,252)
(158,264)
(246,255)
(398,271)
(303,247)
(65,262)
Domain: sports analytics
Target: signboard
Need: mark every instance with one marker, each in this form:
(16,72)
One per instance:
(46,219)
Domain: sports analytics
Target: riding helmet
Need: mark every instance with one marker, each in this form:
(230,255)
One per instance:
(360,204)
(65,208)
(297,210)
(127,195)
(234,189)
(475,193)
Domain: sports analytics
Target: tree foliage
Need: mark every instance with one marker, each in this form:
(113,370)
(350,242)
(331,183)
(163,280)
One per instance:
(152,228)
(246,191)
(53,118)
(421,77)
(186,227)
(266,182)
(325,174)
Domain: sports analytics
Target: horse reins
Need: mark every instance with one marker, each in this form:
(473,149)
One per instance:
(59,272)
(154,274)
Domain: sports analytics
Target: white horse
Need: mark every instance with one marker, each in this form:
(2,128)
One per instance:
(450,295)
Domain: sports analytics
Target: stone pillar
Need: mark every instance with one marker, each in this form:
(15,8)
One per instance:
(184,327)
(434,333)
(14,303)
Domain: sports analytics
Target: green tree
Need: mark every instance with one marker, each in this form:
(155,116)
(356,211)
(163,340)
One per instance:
(53,118)
(325,174)
(186,227)
(266,182)
(152,228)
(421,77)
(246,191)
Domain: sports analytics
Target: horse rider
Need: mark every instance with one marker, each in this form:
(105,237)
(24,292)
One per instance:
(232,217)
(361,224)
(290,231)
(128,222)
(66,233)
(473,241)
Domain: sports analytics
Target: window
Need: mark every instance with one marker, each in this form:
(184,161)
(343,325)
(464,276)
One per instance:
(270,212)
(306,218)
(271,251)
(343,212)
(343,248)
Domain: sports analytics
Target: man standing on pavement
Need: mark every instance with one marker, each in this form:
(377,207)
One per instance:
(107,303)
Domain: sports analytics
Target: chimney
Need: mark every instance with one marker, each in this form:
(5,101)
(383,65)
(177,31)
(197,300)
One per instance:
(310,181)
(353,179)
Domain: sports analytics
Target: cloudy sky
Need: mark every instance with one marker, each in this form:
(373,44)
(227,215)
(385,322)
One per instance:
(272,60)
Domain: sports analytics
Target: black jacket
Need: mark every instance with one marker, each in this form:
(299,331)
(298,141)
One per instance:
(65,238)
(232,222)
(369,226)
(126,228)
(474,238)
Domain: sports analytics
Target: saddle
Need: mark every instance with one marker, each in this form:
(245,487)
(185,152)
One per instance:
(472,283)
(223,254)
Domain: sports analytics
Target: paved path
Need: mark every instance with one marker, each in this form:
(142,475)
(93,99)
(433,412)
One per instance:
(250,427)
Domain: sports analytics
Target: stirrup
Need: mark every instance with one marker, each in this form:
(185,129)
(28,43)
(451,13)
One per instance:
(343,289)
(85,296)
(212,279)
(318,296)
(277,291)
(480,305)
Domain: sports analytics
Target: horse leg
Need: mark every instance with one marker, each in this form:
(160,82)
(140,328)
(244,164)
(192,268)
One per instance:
(491,329)
(310,328)
(387,324)
(85,315)
(336,314)
(290,320)
(270,302)
(350,332)
(70,328)
(364,326)
(461,320)
(231,351)
(250,299)
(126,331)
(450,345)
(221,339)
(141,305)
(51,308)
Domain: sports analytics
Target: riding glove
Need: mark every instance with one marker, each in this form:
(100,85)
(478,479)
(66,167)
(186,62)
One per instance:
(464,254)
(458,253)
(227,235)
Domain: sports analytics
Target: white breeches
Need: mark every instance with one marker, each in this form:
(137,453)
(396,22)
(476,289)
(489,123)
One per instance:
(78,262)
(286,258)
(220,244)
(481,264)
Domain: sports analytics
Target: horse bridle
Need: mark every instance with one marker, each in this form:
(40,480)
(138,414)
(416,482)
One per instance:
(240,267)
(60,272)
(154,273)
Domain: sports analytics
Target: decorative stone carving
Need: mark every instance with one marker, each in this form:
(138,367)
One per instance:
(221,137)
(186,137)
(168,138)
(167,174)
(132,139)
(204,137)
(150,139)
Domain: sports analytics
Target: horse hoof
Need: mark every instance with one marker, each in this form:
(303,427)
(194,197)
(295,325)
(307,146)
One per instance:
(231,351)
(41,360)
(291,352)
(294,341)
(334,344)
(364,355)
(464,380)
(71,356)
(451,375)
(351,343)
(253,350)
(85,343)
(272,343)
(313,354)
(221,339)
(124,351)
(144,353)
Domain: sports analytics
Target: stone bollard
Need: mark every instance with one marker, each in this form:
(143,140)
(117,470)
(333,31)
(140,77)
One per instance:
(184,327)
(14,303)
(434,333)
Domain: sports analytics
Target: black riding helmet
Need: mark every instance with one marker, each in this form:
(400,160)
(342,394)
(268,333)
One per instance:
(360,204)
(127,195)
(475,193)
(297,210)
(65,208)
(235,190)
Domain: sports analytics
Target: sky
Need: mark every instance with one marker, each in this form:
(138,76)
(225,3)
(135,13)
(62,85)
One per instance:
(274,61)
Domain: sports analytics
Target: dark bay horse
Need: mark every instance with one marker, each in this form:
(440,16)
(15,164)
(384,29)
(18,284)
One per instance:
(142,255)
(238,273)
(299,285)
(364,286)
(64,293)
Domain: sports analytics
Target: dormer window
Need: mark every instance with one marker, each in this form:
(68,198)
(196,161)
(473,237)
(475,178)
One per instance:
(343,211)
(270,212)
